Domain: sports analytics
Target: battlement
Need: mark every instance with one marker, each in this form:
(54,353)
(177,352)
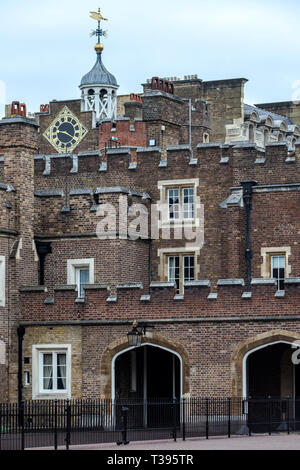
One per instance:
(246,156)
(161,301)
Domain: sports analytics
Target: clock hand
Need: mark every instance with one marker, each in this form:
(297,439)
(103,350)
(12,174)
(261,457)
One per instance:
(65,132)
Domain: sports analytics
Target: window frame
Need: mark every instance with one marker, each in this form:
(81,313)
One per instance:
(78,269)
(181,257)
(26,378)
(180,188)
(267,253)
(163,206)
(38,351)
(270,258)
(54,367)
(73,265)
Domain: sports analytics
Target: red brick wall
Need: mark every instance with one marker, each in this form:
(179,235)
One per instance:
(125,136)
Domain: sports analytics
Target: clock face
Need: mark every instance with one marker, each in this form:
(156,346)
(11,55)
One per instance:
(65,132)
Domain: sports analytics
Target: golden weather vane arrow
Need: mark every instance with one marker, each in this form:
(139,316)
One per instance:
(98,17)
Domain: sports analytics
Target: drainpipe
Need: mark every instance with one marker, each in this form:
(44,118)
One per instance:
(190,128)
(247,197)
(21,333)
(149,261)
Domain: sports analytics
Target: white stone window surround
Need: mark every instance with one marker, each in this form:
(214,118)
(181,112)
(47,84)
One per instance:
(2,281)
(37,355)
(164,253)
(177,266)
(73,264)
(163,206)
(267,252)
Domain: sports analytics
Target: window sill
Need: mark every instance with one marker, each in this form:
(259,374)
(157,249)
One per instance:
(180,223)
(52,396)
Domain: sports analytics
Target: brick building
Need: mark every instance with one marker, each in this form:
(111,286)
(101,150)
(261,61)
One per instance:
(176,208)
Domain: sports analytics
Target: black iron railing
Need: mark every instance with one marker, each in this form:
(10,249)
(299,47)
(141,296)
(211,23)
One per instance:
(65,423)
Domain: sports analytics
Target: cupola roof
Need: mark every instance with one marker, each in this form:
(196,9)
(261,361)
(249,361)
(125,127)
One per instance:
(99,75)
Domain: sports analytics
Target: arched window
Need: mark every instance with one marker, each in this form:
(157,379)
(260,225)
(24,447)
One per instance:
(266,137)
(206,137)
(251,132)
(91,96)
(103,96)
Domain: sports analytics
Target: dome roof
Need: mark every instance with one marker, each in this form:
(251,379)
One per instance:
(98,75)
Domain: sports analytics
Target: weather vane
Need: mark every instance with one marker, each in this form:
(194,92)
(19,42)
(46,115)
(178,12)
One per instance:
(98,17)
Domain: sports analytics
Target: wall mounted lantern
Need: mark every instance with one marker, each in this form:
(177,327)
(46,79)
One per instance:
(136,334)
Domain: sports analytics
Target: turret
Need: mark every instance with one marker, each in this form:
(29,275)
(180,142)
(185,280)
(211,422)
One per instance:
(99,87)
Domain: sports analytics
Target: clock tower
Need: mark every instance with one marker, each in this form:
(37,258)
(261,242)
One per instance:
(99,87)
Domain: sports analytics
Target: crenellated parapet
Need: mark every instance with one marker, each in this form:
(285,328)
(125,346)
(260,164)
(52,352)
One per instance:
(229,300)
(68,187)
(244,157)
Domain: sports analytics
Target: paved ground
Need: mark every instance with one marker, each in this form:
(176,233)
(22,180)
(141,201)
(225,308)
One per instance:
(262,442)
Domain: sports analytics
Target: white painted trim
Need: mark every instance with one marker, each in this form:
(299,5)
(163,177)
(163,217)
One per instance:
(244,368)
(163,206)
(113,379)
(72,264)
(192,181)
(265,251)
(161,252)
(36,350)
(2,281)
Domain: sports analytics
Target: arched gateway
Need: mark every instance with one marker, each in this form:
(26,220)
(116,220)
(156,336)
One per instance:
(263,366)
(159,368)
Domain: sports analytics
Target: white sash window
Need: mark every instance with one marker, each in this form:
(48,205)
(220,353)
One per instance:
(51,371)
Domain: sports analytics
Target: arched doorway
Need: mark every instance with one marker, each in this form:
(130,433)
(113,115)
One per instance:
(268,370)
(272,382)
(148,372)
(249,346)
(120,346)
(147,379)
(265,371)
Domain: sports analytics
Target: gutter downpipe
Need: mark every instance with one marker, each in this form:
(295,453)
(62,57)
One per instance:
(21,333)
(247,198)
(190,128)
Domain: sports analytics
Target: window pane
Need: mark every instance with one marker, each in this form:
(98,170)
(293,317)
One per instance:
(173,203)
(278,270)
(188,203)
(61,371)
(188,268)
(83,277)
(47,359)
(174,270)
(48,383)
(47,371)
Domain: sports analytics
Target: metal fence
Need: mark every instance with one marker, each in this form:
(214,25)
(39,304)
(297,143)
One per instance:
(57,423)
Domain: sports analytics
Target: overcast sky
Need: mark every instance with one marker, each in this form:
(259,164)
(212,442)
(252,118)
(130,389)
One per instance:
(45,47)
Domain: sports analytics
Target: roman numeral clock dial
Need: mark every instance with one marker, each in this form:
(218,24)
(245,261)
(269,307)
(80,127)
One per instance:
(65,132)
